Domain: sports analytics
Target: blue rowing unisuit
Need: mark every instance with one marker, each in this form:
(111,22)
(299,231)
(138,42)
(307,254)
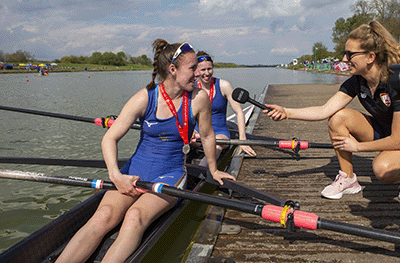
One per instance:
(218,109)
(159,156)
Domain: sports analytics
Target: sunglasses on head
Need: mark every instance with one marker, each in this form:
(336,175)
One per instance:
(204,58)
(350,54)
(185,47)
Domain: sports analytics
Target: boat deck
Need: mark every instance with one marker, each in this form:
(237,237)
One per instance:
(278,172)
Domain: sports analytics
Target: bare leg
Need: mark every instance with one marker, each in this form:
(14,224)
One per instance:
(387,166)
(346,122)
(140,215)
(109,213)
(219,149)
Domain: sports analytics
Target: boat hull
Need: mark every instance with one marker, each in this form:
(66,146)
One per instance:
(46,244)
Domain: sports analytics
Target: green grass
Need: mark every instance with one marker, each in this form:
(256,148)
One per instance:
(72,67)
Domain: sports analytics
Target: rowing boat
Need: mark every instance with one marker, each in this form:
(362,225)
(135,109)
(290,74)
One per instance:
(46,244)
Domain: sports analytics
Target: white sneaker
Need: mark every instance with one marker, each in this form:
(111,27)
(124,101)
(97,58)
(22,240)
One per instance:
(341,185)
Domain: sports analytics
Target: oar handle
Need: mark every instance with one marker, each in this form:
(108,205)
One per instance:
(293,144)
(301,219)
(273,213)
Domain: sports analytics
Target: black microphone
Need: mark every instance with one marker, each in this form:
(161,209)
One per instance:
(242,96)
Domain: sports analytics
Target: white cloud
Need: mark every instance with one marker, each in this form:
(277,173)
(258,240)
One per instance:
(285,50)
(240,31)
(254,8)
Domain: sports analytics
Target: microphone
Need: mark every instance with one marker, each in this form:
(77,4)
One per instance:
(242,96)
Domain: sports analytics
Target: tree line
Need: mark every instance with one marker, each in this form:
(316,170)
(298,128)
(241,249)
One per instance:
(387,12)
(19,56)
(107,58)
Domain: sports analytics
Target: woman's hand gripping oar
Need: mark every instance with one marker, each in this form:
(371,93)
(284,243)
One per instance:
(288,216)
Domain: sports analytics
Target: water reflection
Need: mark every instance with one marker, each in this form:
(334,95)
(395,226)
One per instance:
(26,206)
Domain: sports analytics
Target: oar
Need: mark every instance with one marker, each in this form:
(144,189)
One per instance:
(104,122)
(203,173)
(70,180)
(289,216)
(242,96)
(293,144)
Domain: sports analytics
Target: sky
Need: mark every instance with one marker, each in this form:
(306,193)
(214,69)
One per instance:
(247,32)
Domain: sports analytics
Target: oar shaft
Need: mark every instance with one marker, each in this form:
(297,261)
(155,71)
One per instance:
(359,231)
(71,180)
(277,143)
(275,213)
(49,114)
(320,145)
(204,198)
(269,212)
(104,122)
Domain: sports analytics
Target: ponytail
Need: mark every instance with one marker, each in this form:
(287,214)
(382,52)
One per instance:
(158,47)
(163,53)
(375,38)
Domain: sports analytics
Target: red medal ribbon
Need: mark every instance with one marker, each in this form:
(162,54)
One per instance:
(211,93)
(183,131)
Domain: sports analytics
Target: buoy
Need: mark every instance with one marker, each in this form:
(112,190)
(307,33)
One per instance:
(27,80)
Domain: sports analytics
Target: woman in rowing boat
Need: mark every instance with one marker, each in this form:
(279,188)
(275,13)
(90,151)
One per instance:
(370,50)
(159,157)
(219,92)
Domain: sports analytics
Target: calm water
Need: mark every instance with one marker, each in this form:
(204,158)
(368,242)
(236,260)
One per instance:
(27,206)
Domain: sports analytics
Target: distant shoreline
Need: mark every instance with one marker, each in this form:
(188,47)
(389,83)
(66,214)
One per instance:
(342,73)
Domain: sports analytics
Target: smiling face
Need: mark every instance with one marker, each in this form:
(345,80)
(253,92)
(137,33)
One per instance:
(205,71)
(358,61)
(185,73)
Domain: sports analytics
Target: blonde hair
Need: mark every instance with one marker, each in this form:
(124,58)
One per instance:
(163,53)
(375,38)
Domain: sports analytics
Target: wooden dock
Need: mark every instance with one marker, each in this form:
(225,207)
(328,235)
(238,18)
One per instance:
(301,178)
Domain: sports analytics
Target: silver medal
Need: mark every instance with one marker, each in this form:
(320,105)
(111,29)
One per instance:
(186,148)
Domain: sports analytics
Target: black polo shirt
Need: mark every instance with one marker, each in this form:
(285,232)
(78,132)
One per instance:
(381,106)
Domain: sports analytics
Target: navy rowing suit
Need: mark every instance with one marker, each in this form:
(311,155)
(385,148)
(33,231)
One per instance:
(218,111)
(158,157)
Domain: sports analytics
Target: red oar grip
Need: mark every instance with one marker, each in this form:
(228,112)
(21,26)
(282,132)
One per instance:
(301,219)
(98,121)
(104,122)
(292,144)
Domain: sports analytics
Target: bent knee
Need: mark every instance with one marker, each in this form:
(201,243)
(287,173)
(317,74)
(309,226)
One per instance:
(104,217)
(338,118)
(135,217)
(384,172)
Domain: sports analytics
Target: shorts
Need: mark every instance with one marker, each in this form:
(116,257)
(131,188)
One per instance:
(378,130)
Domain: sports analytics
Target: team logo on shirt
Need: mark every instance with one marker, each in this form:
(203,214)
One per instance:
(163,136)
(386,99)
(149,123)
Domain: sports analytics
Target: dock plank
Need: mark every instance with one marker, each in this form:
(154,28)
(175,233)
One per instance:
(279,172)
